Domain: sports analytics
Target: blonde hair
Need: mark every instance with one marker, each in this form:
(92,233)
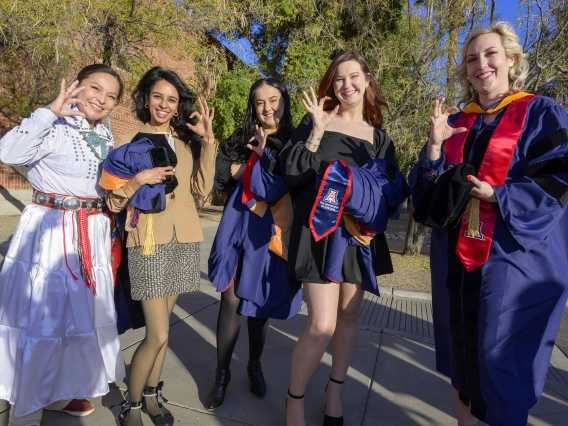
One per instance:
(518,73)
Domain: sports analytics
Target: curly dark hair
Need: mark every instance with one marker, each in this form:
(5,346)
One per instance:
(238,152)
(187,98)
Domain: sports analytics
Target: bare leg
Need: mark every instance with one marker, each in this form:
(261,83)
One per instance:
(343,345)
(465,418)
(322,301)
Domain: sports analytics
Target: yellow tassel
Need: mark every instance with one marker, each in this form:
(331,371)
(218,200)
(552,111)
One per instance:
(149,242)
(471,217)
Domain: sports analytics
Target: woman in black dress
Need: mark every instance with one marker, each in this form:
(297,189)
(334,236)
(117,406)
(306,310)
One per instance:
(345,124)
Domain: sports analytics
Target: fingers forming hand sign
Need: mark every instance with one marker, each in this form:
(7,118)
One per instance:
(204,126)
(261,139)
(441,130)
(320,118)
(61,106)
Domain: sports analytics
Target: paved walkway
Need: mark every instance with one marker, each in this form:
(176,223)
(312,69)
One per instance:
(392,380)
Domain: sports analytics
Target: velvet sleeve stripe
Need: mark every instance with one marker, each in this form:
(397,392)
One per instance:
(553,188)
(547,143)
(548,167)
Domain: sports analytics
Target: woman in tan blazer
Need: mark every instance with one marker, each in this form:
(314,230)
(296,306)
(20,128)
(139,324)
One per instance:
(164,104)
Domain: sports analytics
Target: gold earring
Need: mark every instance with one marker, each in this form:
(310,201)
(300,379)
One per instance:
(146,106)
(176,114)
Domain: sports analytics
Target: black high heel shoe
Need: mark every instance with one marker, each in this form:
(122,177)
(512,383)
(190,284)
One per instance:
(329,420)
(216,394)
(165,417)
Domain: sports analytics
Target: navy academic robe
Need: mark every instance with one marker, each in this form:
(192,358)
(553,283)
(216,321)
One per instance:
(495,326)
(240,249)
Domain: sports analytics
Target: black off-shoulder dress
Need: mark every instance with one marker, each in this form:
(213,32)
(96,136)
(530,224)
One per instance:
(306,258)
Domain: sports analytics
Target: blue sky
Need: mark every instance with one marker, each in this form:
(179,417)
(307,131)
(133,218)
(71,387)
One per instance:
(506,10)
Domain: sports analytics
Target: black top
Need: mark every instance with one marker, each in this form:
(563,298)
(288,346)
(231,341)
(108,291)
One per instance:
(223,180)
(306,258)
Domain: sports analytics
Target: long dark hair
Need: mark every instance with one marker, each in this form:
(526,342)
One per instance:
(238,152)
(96,68)
(185,108)
(372,104)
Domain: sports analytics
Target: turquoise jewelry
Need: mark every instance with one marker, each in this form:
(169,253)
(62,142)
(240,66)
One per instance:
(94,142)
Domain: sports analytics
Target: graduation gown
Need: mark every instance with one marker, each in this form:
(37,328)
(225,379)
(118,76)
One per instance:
(240,249)
(495,326)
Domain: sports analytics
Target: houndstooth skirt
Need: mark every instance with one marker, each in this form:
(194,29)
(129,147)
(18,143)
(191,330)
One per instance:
(172,269)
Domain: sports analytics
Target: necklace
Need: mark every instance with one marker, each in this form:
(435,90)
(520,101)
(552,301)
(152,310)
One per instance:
(94,142)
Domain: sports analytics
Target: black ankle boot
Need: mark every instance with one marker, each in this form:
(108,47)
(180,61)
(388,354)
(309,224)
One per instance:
(125,418)
(216,394)
(257,384)
(162,416)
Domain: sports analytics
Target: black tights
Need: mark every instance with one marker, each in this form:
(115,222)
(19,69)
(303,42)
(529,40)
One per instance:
(229,325)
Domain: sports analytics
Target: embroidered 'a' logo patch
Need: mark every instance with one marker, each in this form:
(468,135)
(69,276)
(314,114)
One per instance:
(477,237)
(331,197)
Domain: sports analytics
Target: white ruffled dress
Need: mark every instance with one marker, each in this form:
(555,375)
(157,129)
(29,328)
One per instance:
(57,340)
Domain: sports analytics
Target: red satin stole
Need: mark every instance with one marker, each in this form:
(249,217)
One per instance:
(473,251)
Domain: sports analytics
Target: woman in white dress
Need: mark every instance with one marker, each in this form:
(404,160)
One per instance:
(58,337)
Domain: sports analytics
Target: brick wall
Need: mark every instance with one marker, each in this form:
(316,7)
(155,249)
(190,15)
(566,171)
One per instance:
(123,121)
(9,179)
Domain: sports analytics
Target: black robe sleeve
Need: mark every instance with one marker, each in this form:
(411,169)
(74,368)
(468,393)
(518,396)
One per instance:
(299,164)
(223,180)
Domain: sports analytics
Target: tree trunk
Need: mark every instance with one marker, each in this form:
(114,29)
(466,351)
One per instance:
(415,233)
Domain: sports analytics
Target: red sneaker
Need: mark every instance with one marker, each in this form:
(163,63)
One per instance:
(75,407)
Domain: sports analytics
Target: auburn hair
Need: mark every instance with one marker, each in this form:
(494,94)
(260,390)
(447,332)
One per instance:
(372,104)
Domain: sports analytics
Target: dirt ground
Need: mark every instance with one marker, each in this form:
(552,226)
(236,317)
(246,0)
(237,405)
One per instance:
(7,225)
(410,273)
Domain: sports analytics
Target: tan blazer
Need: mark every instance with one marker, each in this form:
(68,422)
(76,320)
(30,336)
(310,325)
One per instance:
(195,176)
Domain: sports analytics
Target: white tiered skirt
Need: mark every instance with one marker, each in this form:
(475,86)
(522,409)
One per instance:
(57,340)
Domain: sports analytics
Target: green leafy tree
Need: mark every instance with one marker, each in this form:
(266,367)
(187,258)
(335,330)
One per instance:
(231,99)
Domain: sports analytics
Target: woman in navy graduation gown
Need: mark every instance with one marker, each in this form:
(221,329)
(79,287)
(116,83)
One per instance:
(248,258)
(500,275)
(338,161)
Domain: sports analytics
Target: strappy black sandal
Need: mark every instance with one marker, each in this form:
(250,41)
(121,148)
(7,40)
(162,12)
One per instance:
(165,418)
(329,420)
(125,410)
(293,397)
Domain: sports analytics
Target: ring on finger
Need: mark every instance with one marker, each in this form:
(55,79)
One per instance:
(436,116)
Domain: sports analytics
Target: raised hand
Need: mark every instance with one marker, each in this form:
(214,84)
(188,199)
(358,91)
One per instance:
(204,126)
(261,139)
(441,130)
(61,106)
(320,118)
(154,176)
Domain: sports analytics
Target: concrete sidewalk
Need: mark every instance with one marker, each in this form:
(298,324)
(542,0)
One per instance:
(392,379)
